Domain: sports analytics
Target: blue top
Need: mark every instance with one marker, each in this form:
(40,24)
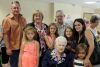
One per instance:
(50,61)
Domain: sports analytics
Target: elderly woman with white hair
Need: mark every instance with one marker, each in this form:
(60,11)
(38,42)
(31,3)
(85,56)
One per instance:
(57,57)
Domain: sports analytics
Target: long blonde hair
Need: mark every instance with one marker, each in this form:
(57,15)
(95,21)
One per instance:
(26,29)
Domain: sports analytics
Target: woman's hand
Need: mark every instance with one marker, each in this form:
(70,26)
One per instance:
(86,62)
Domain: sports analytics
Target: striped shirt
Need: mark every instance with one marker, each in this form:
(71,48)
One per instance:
(78,63)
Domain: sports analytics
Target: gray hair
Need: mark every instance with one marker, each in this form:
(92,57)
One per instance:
(15,2)
(60,11)
(60,39)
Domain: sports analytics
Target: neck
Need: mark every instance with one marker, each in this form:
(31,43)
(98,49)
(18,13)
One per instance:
(16,16)
(59,54)
(52,35)
(39,23)
(30,40)
(60,23)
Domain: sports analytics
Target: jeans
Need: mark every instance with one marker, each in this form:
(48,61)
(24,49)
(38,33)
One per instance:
(14,58)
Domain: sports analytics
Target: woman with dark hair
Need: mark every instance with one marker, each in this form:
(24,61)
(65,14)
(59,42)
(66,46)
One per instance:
(82,35)
(71,44)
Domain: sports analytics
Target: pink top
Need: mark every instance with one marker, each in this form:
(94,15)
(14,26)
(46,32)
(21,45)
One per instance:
(30,55)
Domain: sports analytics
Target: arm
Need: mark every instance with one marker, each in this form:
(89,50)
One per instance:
(24,24)
(90,65)
(6,33)
(50,46)
(20,55)
(38,53)
(90,39)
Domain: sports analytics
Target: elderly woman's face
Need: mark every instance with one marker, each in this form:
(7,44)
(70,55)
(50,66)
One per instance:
(38,18)
(60,47)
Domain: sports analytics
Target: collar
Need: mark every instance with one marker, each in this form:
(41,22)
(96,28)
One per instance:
(60,25)
(12,16)
(55,58)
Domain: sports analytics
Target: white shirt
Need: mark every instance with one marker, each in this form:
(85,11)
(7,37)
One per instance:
(94,31)
(61,29)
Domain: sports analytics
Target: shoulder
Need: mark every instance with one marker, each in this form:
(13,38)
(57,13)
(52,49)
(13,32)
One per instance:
(88,33)
(45,25)
(36,42)
(6,19)
(30,24)
(22,17)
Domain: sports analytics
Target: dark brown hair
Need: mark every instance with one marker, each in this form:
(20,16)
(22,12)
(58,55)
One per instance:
(68,27)
(94,19)
(81,46)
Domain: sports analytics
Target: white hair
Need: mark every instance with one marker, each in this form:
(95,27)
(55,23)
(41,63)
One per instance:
(60,39)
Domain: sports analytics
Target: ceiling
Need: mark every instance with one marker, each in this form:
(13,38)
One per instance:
(77,2)
(73,2)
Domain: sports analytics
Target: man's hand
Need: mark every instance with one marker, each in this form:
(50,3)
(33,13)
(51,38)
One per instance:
(9,51)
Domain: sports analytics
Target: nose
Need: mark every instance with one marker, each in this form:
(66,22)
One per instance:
(16,8)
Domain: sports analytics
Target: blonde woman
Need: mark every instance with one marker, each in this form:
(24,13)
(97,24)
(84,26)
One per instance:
(41,28)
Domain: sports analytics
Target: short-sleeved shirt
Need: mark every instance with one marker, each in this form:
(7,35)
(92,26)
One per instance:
(13,31)
(61,28)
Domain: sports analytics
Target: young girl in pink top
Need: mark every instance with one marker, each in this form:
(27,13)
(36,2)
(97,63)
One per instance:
(51,36)
(29,54)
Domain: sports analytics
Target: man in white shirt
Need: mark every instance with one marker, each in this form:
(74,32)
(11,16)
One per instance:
(94,22)
(60,22)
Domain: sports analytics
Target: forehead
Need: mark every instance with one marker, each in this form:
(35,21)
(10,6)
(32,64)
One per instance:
(68,29)
(76,22)
(29,31)
(59,13)
(15,5)
(52,26)
(82,50)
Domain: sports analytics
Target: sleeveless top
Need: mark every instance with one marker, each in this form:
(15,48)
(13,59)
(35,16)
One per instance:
(83,40)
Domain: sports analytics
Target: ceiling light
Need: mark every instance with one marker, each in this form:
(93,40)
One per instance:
(90,2)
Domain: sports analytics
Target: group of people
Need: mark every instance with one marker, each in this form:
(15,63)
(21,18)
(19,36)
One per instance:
(37,44)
